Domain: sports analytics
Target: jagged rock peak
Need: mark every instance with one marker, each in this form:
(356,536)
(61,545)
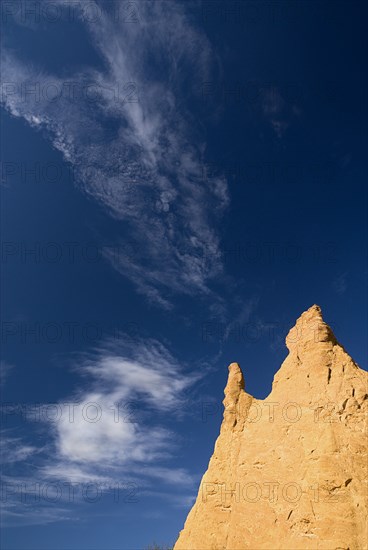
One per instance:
(235,382)
(309,328)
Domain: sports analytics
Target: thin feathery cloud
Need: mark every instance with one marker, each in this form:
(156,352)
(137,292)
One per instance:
(15,515)
(134,146)
(13,449)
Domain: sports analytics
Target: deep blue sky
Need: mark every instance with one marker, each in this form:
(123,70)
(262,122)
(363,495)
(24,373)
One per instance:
(201,186)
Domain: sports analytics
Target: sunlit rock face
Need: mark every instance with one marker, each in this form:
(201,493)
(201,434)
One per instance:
(289,472)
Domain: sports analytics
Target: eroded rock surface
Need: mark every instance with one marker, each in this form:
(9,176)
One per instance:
(289,472)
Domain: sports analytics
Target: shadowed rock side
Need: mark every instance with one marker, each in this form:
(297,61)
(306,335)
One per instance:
(289,472)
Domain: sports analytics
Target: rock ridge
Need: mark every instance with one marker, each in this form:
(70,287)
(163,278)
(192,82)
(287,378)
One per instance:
(290,471)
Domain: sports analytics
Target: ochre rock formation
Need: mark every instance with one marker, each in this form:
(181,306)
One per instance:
(289,472)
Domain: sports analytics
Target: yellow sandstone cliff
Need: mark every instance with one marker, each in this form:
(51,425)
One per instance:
(289,472)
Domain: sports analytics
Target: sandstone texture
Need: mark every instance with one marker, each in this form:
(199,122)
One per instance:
(289,472)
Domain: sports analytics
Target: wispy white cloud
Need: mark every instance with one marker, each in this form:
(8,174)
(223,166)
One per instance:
(110,432)
(133,143)
(114,425)
(13,449)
